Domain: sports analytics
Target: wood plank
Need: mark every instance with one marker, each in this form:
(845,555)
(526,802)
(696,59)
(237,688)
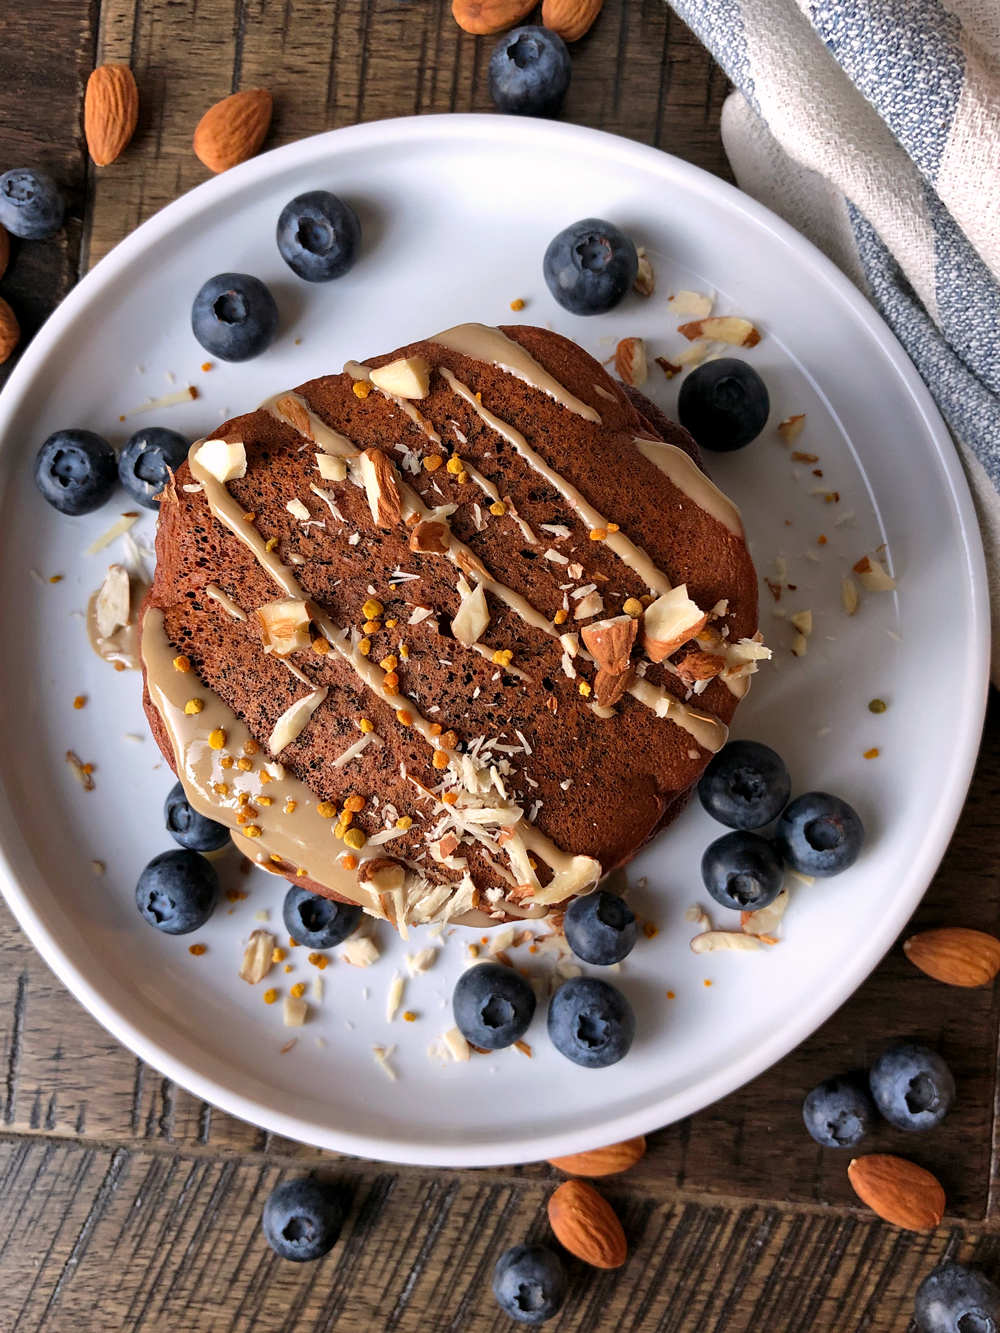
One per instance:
(104,1237)
(639,73)
(46,47)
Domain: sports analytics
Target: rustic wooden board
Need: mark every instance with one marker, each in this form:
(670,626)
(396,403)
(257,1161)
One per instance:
(45,57)
(126,1203)
(102,1237)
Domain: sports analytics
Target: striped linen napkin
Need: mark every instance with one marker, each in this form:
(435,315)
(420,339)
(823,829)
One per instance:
(873,127)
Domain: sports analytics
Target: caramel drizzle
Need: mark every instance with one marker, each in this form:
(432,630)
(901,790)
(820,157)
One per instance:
(481,342)
(636,559)
(703,726)
(683,472)
(229,513)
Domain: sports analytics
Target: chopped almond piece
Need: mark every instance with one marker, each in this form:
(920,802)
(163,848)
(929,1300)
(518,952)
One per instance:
(331,468)
(722,329)
(257,957)
(611,642)
(286,625)
(873,575)
(690,303)
(429,537)
(630,361)
(226,462)
(849,596)
(292,409)
(791,428)
(668,367)
(610,686)
(384,875)
(645,280)
(379,477)
(803,622)
(699,666)
(472,617)
(669,622)
(409,377)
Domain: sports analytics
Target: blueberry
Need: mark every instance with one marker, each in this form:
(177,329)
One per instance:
(75,471)
(493,1005)
(234,317)
(176,892)
(591,1022)
(303,1218)
(956,1299)
(192,830)
(530,1283)
(529,72)
(31,204)
(590,267)
(912,1087)
(838,1112)
(317,922)
(819,834)
(319,236)
(724,404)
(745,785)
(600,928)
(742,871)
(143,463)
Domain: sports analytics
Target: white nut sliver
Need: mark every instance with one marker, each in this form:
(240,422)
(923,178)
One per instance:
(718,941)
(395,997)
(766,920)
(458,1047)
(691,303)
(226,462)
(113,601)
(296,1011)
(360,951)
(409,377)
(257,957)
(298,510)
(331,468)
(422,961)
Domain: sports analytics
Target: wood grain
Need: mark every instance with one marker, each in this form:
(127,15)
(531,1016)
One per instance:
(102,1237)
(45,57)
(126,1203)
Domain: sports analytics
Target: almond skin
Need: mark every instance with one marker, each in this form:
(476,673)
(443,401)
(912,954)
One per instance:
(954,955)
(489,16)
(233,130)
(10,331)
(899,1191)
(4,250)
(602,1161)
(585,1224)
(110,111)
(571,18)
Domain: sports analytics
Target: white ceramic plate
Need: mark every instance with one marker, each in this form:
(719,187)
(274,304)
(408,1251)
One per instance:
(457,212)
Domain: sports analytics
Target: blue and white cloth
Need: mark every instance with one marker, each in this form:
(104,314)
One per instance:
(873,127)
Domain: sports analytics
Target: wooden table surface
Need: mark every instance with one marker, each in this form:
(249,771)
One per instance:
(127,1204)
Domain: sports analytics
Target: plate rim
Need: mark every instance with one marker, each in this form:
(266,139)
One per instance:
(972,689)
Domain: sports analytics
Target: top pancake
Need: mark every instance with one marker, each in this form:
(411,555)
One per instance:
(596,787)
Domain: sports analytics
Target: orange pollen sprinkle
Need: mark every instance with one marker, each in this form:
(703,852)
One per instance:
(821,540)
(432,462)
(391,682)
(404,717)
(449,797)
(355,803)
(650,930)
(598,534)
(196,949)
(436,728)
(80,701)
(517,304)
(440,759)
(872,753)
(613,527)
(361,388)
(349,862)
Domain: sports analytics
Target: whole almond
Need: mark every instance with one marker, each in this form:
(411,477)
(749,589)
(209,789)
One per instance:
(585,1224)
(489,16)
(10,331)
(570,18)
(4,250)
(233,130)
(899,1191)
(955,955)
(110,111)
(602,1161)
